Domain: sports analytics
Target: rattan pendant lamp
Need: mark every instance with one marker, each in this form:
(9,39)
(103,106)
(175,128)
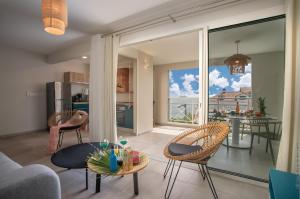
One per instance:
(55,16)
(237,62)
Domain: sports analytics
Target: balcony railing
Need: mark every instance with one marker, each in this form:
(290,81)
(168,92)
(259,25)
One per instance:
(184,113)
(189,112)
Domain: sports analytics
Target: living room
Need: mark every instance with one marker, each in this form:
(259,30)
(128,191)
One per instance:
(79,110)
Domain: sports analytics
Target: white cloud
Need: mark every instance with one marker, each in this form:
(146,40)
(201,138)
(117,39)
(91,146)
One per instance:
(245,81)
(175,90)
(215,79)
(171,77)
(188,88)
(188,77)
(248,68)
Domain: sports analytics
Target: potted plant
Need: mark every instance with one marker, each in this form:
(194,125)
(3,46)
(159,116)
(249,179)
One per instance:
(261,105)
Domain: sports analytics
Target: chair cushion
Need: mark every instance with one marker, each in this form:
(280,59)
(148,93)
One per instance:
(176,149)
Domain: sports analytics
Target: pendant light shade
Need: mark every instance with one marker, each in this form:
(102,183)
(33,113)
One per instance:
(237,62)
(55,16)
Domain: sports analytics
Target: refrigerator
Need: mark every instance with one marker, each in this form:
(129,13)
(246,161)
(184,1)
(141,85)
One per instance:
(59,97)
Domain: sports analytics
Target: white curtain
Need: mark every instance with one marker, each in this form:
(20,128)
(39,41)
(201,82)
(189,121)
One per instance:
(103,73)
(288,157)
(203,75)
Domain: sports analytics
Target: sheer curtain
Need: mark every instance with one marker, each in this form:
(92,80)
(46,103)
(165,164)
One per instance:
(203,75)
(103,73)
(288,157)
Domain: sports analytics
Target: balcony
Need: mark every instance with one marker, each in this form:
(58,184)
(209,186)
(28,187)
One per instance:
(184,112)
(181,111)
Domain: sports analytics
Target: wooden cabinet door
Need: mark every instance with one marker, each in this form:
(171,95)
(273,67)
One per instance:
(123,80)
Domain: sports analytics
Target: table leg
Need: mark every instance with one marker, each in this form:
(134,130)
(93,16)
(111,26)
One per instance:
(86,178)
(136,183)
(234,141)
(98,183)
(235,131)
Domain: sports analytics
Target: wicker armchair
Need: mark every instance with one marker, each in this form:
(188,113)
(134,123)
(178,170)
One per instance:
(196,146)
(68,121)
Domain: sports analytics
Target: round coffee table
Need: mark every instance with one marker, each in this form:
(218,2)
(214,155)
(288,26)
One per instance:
(136,168)
(75,156)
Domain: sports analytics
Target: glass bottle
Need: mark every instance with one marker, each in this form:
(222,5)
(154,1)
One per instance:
(113,161)
(237,108)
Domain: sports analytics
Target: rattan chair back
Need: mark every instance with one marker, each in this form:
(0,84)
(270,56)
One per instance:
(75,118)
(209,136)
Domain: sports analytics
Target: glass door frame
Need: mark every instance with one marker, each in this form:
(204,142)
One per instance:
(204,54)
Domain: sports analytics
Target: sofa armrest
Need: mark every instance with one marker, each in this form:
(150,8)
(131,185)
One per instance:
(30,182)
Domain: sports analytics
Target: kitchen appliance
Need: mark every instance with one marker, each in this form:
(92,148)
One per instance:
(59,98)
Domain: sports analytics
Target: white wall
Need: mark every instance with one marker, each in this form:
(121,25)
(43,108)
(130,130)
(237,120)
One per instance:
(23,72)
(268,80)
(144,93)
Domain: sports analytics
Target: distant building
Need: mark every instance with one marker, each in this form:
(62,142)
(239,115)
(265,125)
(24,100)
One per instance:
(226,101)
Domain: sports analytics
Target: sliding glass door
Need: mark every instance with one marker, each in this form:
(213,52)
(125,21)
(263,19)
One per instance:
(245,80)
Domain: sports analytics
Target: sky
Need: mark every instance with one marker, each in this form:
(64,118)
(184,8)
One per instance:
(184,82)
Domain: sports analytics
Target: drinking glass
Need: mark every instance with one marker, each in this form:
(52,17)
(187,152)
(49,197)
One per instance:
(104,144)
(123,141)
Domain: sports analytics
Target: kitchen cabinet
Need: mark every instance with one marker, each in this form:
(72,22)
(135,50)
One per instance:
(74,77)
(123,80)
(125,115)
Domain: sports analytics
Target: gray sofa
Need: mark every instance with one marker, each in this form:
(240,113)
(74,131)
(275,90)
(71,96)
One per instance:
(29,182)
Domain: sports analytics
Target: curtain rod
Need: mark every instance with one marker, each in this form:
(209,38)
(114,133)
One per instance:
(174,17)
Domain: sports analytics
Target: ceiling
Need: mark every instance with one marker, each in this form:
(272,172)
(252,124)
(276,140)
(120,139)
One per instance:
(21,20)
(178,48)
(257,38)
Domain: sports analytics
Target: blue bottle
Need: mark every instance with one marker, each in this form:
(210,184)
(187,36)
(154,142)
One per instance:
(113,161)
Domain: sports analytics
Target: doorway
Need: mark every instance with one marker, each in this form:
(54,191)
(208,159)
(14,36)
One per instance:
(251,94)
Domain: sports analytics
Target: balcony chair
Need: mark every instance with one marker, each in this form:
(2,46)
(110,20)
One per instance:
(277,129)
(256,129)
(68,122)
(195,146)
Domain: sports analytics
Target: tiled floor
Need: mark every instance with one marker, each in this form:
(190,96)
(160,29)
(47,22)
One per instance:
(235,160)
(31,148)
(169,130)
